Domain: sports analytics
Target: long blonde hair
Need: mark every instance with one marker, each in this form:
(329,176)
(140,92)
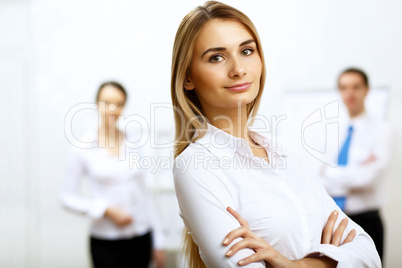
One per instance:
(188,114)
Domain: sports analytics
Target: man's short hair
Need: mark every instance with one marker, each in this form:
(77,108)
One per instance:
(357,71)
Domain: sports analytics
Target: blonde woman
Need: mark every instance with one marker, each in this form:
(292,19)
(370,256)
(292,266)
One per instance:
(243,198)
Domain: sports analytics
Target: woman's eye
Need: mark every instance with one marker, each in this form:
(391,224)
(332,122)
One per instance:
(247,51)
(216,58)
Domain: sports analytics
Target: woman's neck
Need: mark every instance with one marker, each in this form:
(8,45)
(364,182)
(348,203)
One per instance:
(235,122)
(108,135)
(106,128)
(232,121)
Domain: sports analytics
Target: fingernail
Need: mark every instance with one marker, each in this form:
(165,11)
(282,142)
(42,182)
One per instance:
(241,262)
(335,212)
(353,230)
(225,241)
(228,253)
(345,219)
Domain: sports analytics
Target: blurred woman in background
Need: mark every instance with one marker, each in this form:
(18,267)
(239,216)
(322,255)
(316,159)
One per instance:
(124,227)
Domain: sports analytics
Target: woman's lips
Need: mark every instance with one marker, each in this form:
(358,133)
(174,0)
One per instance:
(240,87)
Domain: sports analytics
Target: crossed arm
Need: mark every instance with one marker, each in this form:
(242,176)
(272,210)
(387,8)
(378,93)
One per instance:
(203,197)
(272,258)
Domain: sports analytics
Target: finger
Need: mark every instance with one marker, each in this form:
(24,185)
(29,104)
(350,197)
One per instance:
(239,218)
(328,228)
(128,220)
(350,236)
(236,247)
(239,232)
(270,257)
(250,243)
(258,256)
(336,238)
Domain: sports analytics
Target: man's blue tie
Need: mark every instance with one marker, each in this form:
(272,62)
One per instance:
(343,154)
(343,161)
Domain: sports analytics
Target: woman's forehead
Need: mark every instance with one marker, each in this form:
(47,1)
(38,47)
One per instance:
(222,33)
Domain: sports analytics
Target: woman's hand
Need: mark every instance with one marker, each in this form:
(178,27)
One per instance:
(263,250)
(159,258)
(118,216)
(334,238)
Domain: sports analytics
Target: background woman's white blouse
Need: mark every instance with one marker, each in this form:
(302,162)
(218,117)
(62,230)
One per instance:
(113,181)
(280,202)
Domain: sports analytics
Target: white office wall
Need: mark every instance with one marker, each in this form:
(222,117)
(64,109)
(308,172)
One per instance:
(54,54)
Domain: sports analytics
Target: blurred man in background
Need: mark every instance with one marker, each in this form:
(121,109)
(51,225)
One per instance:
(365,150)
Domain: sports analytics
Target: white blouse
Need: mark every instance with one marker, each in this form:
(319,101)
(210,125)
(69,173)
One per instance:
(281,203)
(113,181)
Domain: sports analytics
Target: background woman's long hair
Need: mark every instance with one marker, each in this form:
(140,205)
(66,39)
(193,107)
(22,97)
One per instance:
(188,114)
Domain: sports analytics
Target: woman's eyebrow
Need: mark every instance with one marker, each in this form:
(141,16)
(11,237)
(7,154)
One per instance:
(247,42)
(215,49)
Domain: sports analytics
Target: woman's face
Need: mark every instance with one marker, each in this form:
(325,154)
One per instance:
(110,103)
(226,66)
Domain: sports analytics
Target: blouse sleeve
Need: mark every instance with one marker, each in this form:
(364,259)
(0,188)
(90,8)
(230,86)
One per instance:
(203,199)
(361,252)
(70,196)
(157,235)
(158,240)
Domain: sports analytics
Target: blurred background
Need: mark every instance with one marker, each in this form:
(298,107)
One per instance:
(54,55)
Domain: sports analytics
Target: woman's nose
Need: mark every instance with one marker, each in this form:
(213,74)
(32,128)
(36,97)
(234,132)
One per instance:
(237,69)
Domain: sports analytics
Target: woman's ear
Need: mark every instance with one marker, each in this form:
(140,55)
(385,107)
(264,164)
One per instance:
(188,84)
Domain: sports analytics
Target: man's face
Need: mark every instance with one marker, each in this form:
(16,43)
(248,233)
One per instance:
(353,91)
